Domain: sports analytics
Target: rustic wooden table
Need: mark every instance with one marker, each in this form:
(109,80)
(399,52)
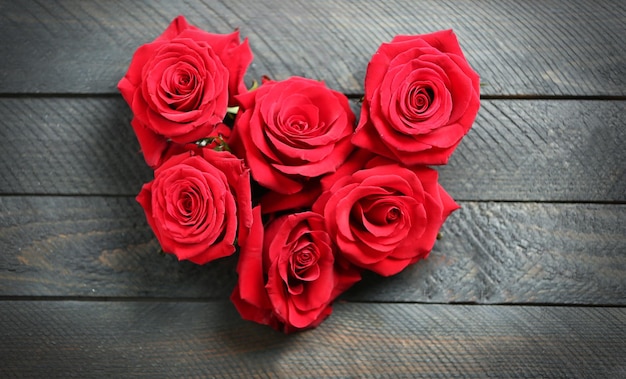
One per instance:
(529,279)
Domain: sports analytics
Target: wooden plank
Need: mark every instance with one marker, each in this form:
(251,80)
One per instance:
(93,246)
(529,150)
(489,253)
(69,146)
(542,151)
(519,47)
(113,339)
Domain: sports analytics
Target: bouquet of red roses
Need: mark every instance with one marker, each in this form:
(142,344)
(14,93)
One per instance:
(283,174)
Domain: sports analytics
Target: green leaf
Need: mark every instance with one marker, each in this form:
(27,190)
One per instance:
(255,85)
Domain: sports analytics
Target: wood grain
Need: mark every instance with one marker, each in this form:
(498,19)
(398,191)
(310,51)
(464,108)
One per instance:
(156,339)
(541,151)
(519,47)
(489,253)
(529,150)
(93,246)
(69,146)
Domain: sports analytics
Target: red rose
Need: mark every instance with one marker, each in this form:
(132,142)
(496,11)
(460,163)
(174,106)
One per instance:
(289,277)
(179,85)
(291,131)
(381,215)
(198,204)
(421,98)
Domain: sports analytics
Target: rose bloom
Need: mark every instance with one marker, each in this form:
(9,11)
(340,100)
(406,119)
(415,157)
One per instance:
(289,275)
(180,85)
(383,216)
(198,204)
(421,98)
(292,131)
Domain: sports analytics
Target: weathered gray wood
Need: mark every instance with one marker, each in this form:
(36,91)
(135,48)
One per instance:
(529,150)
(558,150)
(69,146)
(113,339)
(93,246)
(519,47)
(489,253)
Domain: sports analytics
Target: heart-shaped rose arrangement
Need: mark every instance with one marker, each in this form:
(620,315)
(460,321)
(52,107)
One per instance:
(283,172)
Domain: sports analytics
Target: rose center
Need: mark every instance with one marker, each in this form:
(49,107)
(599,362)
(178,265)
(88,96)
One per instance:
(188,207)
(186,204)
(183,79)
(298,124)
(303,263)
(420,98)
(181,87)
(377,211)
(182,82)
(392,215)
(303,259)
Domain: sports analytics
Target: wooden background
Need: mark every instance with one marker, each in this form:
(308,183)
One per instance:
(529,279)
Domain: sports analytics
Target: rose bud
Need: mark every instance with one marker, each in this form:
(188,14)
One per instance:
(383,216)
(291,132)
(290,275)
(199,204)
(180,85)
(421,98)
